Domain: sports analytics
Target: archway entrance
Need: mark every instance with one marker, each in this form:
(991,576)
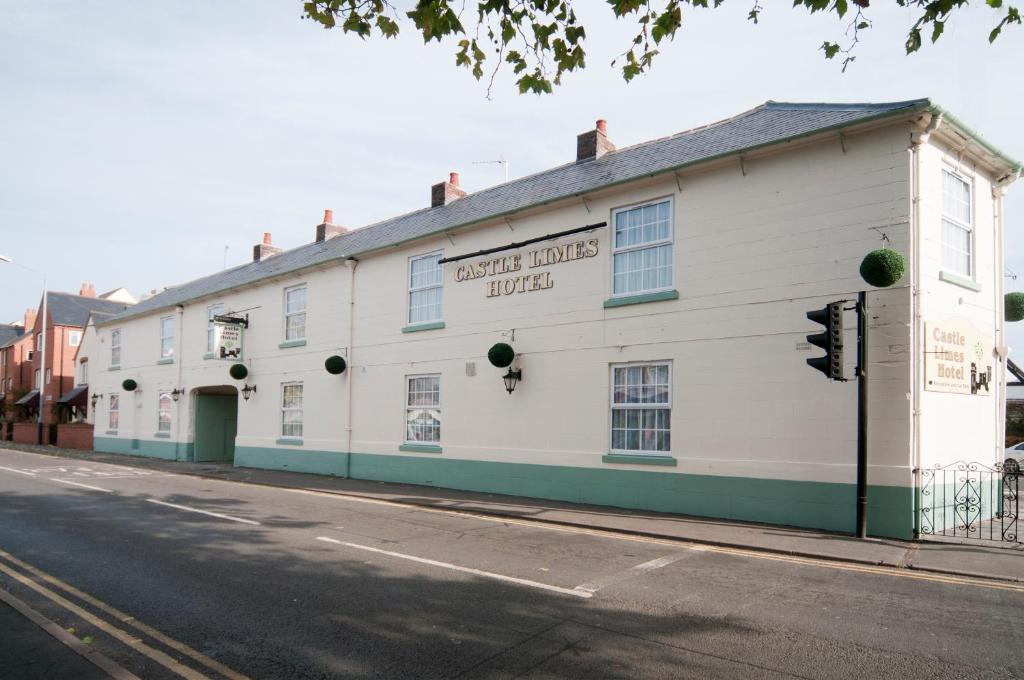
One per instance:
(216,423)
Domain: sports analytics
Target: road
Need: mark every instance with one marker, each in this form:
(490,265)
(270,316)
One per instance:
(176,576)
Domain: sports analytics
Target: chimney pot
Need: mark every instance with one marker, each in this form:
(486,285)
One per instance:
(262,251)
(444,193)
(266,238)
(593,144)
(328,216)
(453,179)
(327,229)
(602,126)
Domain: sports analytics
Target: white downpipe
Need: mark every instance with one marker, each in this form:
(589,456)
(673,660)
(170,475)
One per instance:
(915,303)
(352,263)
(179,340)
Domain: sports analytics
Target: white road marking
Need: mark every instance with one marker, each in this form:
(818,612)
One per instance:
(203,512)
(20,472)
(633,572)
(84,486)
(465,570)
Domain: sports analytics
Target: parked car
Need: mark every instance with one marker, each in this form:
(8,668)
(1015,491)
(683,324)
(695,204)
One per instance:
(1015,452)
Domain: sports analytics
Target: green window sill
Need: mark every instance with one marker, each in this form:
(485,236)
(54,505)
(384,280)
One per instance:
(420,448)
(961,281)
(641,299)
(163,435)
(292,343)
(624,459)
(111,432)
(168,360)
(289,441)
(415,328)
(209,355)
(114,368)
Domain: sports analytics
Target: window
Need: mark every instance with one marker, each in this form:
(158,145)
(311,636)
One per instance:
(642,252)
(211,311)
(641,408)
(426,283)
(291,410)
(115,347)
(49,375)
(74,338)
(295,313)
(83,373)
(115,411)
(956,224)
(39,342)
(35,380)
(167,337)
(423,409)
(163,413)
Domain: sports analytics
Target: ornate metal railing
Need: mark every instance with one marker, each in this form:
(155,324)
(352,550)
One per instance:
(970,500)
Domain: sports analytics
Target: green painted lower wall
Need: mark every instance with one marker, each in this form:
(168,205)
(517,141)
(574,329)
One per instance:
(818,505)
(168,450)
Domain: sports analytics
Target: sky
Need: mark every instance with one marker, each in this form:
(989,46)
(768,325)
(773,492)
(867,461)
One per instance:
(137,140)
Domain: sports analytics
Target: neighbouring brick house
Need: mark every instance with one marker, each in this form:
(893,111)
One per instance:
(15,373)
(68,314)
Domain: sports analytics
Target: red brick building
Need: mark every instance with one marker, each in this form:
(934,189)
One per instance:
(67,315)
(15,373)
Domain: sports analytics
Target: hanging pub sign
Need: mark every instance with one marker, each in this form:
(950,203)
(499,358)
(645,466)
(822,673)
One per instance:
(227,340)
(958,358)
(524,272)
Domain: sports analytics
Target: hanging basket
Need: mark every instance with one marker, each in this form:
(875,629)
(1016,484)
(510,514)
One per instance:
(129,385)
(238,371)
(501,355)
(335,365)
(883,267)
(1013,306)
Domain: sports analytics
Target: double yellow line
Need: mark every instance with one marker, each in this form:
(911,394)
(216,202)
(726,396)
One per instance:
(38,580)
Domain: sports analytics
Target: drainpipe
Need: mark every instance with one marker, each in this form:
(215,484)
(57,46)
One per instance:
(179,340)
(998,192)
(352,263)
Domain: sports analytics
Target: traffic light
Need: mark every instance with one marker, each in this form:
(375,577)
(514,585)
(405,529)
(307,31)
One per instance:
(831,317)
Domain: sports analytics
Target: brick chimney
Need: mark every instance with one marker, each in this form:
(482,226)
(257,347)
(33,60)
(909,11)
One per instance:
(87,290)
(30,320)
(262,251)
(593,144)
(328,229)
(444,193)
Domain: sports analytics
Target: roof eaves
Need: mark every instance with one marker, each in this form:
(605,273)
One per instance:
(1014,166)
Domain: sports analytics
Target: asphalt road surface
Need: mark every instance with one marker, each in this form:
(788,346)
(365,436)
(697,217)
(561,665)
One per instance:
(174,576)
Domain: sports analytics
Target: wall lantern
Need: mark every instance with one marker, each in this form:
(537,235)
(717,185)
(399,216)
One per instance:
(176,393)
(248,391)
(511,378)
(129,385)
(95,398)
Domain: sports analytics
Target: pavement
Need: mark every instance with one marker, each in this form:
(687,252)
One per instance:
(1000,561)
(174,575)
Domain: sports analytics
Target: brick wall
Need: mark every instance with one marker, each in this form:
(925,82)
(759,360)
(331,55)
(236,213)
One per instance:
(26,433)
(75,436)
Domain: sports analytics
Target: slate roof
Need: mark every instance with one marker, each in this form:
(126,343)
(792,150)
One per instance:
(770,123)
(9,334)
(65,309)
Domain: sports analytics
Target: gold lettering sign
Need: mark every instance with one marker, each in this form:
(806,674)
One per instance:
(513,264)
(958,358)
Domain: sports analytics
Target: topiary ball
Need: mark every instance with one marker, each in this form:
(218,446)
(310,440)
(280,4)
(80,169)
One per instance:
(501,355)
(1013,306)
(883,267)
(129,385)
(335,365)
(238,371)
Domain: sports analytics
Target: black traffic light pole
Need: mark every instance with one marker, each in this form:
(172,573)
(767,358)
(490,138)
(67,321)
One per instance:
(862,415)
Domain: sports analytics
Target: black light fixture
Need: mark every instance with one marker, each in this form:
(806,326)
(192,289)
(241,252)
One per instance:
(511,378)
(248,391)
(95,398)
(176,393)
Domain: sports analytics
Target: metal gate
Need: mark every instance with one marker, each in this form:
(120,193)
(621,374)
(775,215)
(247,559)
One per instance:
(970,500)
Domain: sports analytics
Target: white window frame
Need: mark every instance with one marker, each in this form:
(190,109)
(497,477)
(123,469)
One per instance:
(957,222)
(115,345)
(287,314)
(167,340)
(36,378)
(39,342)
(292,409)
(670,241)
(83,372)
(410,289)
(212,311)
(408,408)
(160,411)
(74,338)
(49,375)
(612,407)
(114,412)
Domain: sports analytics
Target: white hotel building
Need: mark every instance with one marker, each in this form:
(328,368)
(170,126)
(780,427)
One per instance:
(661,344)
